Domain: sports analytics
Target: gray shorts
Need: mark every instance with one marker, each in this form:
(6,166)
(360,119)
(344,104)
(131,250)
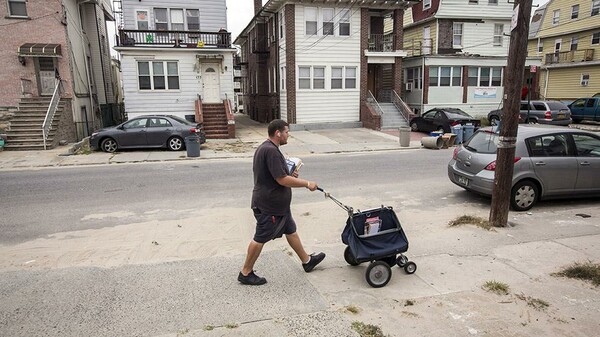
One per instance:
(270,227)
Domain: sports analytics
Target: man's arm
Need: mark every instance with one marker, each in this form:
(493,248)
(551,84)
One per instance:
(289,181)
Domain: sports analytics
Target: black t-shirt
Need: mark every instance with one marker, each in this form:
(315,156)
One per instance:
(268,196)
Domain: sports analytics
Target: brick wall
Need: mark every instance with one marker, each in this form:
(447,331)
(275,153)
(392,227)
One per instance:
(398,45)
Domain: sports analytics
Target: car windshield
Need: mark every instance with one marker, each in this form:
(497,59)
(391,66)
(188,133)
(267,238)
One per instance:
(182,121)
(455,113)
(483,142)
(556,106)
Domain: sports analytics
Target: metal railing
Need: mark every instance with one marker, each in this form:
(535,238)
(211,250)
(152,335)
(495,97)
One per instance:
(381,42)
(175,38)
(570,56)
(404,109)
(372,100)
(51,111)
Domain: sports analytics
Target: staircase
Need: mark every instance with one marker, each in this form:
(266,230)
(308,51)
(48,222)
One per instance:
(391,117)
(26,126)
(215,121)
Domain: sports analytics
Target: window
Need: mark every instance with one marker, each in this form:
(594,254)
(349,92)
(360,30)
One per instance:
(445,76)
(327,21)
(496,77)
(492,2)
(282,78)
(556,17)
(587,146)
(485,76)
(344,25)
(337,78)
(17,8)
(159,123)
(596,38)
(595,7)
(498,34)
(585,79)
(575,12)
(310,18)
(350,77)
(413,76)
(136,124)
(549,146)
(574,42)
(540,46)
(426,4)
(281,18)
(158,75)
(274,79)
(457,29)
(304,77)
(141,18)
(161,21)
(193,19)
(474,2)
(177,19)
(318,77)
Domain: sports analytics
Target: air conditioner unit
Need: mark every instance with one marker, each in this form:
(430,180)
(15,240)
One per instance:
(409,86)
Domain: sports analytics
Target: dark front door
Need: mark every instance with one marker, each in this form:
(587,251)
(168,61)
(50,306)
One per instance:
(373,79)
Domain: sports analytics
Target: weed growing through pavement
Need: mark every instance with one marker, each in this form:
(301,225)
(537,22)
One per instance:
(536,303)
(353,309)
(471,220)
(367,330)
(209,327)
(182,332)
(496,287)
(409,302)
(586,271)
(231,325)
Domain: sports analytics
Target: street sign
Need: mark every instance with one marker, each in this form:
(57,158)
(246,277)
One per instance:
(532,69)
(515,18)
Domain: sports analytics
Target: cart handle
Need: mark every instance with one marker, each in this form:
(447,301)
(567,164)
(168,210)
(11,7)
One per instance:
(328,195)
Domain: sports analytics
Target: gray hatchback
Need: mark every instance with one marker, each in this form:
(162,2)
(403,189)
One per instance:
(550,162)
(539,112)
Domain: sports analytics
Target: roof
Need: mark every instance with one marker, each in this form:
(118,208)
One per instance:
(40,50)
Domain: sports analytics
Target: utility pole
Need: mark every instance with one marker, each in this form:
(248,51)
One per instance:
(517,54)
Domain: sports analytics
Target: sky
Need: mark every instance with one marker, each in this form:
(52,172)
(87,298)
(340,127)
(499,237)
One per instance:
(240,12)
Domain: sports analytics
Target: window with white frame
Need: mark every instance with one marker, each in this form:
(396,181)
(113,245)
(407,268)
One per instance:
(457,34)
(274,79)
(574,42)
(158,75)
(350,78)
(596,38)
(161,19)
(310,20)
(485,76)
(269,78)
(177,19)
(585,79)
(303,77)
(426,4)
(141,20)
(344,24)
(193,19)
(281,23)
(17,8)
(474,2)
(282,76)
(595,7)
(574,11)
(327,16)
(556,17)
(445,76)
(492,2)
(318,78)
(413,76)
(337,77)
(540,46)
(498,34)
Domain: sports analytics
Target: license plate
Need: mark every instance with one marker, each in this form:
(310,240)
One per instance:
(561,116)
(463,181)
(468,123)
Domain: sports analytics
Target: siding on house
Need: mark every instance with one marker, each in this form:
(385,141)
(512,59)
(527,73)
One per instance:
(483,10)
(478,38)
(566,25)
(565,83)
(413,38)
(283,95)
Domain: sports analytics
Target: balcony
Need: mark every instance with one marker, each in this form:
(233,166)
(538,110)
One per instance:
(570,56)
(381,42)
(173,38)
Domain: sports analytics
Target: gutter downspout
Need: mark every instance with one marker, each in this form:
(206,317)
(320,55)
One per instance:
(422,86)
(546,84)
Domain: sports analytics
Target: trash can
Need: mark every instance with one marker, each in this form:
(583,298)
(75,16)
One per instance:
(2,141)
(458,131)
(432,142)
(405,136)
(467,132)
(192,146)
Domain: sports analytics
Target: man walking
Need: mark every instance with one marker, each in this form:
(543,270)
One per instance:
(271,198)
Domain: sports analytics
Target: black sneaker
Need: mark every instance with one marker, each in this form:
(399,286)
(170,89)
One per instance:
(315,259)
(251,279)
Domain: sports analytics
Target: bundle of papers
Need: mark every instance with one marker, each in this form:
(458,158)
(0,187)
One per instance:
(372,225)
(294,164)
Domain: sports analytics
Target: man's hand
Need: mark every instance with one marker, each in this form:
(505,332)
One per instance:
(312,186)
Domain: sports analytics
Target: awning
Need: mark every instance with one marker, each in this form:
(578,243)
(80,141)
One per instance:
(40,50)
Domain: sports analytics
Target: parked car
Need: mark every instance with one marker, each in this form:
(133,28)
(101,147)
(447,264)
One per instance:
(585,109)
(540,112)
(550,162)
(156,131)
(442,119)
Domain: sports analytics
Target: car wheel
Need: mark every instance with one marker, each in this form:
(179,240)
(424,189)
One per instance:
(414,126)
(175,143)
(109,145)
(576,120)
(494,120)
(440,129)
(524,195)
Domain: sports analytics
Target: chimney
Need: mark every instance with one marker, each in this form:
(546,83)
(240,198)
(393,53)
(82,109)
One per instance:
(257,6)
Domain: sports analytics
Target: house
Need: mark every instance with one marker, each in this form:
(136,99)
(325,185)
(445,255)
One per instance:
(458,53)
(324,63)
(56,81)
(177,59)
(566,35)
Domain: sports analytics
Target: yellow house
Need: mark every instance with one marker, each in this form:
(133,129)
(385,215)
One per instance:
(566,34)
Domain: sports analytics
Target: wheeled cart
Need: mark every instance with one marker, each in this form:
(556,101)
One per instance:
(375,236)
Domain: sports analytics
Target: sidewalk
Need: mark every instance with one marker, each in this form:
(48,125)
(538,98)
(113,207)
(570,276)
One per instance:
(249,134)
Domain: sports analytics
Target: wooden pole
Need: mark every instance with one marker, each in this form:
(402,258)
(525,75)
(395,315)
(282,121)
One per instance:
(517,54)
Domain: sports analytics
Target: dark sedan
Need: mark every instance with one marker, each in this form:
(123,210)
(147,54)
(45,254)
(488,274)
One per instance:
(442,119)
(156,131)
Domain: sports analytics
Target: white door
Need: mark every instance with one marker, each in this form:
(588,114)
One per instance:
(426,40)
(210,83)
(47,75)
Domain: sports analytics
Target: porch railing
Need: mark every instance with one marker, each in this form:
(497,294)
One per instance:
(175,38)
(373,102)
(381,42)
(51,111)
(570,56)
(404,109)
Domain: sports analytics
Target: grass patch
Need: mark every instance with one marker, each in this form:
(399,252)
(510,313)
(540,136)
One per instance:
(209,327)
(587,271)
(409,303)
(367,330)
(496,287)
(471,220)
(182,332)
(353,309)
(536,303)
(232,325)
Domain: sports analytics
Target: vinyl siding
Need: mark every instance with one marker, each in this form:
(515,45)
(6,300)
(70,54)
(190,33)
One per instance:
(584,42)
(313,106)
(482,10)
(566,25)
(478,38)
(213,13)
(282,63)
(413,38)
(565,83)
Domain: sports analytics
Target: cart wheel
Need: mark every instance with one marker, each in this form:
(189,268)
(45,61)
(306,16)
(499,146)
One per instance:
(390,260)
(402,260)
(378,274)
(410,268)
(349,257)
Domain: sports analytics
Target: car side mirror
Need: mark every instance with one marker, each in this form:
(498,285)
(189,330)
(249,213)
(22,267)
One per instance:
(120,127)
